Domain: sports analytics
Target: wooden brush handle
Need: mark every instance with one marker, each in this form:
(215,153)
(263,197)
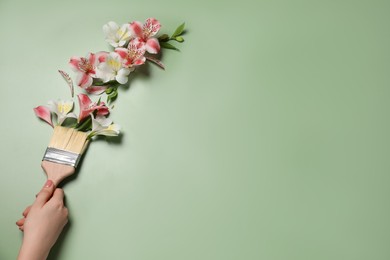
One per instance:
(56,171)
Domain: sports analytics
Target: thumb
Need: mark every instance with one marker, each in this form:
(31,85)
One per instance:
(45,194)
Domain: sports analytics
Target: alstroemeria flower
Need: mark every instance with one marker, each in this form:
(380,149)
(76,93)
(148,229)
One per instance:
(103,126)
(116,36)
(133,55)
(43,113)
(85,68)
(145,33)
(87,107)
(61,109)
(112,69)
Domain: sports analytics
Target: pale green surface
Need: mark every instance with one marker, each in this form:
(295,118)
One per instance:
(267,137)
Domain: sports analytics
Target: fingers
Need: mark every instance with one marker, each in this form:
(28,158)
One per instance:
(52,197)
(20,222)
(57,202)
(45,194)
(26,211)
(58,194)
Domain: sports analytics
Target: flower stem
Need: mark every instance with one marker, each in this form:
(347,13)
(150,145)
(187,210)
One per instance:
(85,125)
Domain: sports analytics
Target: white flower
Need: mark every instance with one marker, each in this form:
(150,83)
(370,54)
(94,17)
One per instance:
(101,125)
(116,36)
(61,109)
(112,69)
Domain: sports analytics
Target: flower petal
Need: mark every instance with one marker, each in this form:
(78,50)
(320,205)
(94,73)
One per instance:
(124,34)
(43,113)
(91,58)
(103,121)
(151,27)
(152,46)
(103,126)
(122,52)
(122,76)
(139,61)
(74,63)
(136,29)
(96,90)
(104,72)
(101,56)
(110,28)
(156,61)
(111,130)
(109,69)
(85,103)
(68,80)
(83,80)
(102,111)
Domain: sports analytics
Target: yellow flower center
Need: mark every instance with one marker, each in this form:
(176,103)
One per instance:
(114,64)
(64,108)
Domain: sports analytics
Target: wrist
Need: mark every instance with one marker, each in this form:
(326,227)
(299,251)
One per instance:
(32,251)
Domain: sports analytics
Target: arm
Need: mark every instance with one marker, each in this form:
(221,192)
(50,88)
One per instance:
(42,223)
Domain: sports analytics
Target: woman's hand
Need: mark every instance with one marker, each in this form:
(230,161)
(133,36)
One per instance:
(42,223)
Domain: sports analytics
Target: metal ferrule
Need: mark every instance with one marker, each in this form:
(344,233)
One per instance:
(61,156)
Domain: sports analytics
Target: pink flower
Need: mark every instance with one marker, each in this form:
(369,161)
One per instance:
(133,55)
(43,113)
(85,68)
(87,107)
(145,32)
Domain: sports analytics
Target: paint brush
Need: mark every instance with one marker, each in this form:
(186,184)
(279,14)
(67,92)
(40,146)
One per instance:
(63,153)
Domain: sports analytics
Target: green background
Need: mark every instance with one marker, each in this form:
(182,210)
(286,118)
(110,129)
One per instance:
(267,137)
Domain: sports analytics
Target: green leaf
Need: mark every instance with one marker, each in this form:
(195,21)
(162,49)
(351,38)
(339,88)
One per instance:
(109,90)
(163,38)
(101,83)
(168,46)
(112,96)
(179,39)
(70,122)
(85,125)
(179,30)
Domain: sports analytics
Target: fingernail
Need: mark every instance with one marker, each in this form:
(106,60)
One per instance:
(48,184)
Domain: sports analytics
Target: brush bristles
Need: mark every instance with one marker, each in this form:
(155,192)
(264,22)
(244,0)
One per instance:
(68,139)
